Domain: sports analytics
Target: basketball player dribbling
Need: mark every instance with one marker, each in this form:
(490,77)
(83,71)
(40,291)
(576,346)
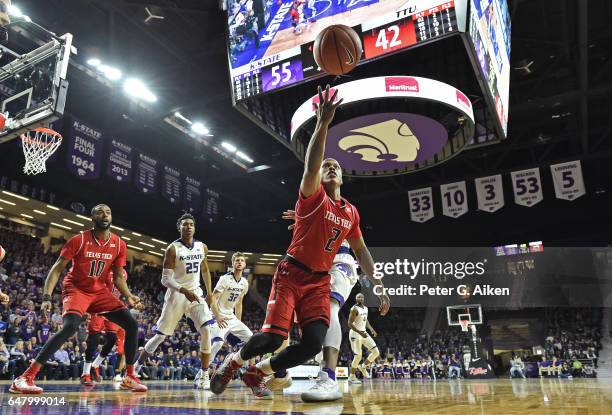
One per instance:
(93,254)
(302,282)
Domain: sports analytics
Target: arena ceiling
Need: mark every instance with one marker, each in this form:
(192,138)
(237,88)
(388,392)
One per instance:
(561,86)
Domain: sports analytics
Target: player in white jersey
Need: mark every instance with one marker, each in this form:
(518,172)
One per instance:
(359,338)
(184,262)
(227,296)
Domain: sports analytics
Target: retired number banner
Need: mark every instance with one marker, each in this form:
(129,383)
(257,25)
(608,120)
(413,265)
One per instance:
(527,187)
(567,177)
(490,193)
(421,205)
(454,199)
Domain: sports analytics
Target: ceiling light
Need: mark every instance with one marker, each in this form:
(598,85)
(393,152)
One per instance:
(26,216)
(40,212)
(180,116)
(271,255)
(117,227)
(95,62)
(135,247)
(61,226)
(199,128)
(7,202)
(83,217)
(138,89)
(53,207)
(14,195)
(136,234)
(156,253)
(247,253)
(126,238)
(258,168)
(146,244)
(158,241)
(216,256)
(244,157)
(229,147)
(14,11)
(111,73)
(217,252)
(73,222)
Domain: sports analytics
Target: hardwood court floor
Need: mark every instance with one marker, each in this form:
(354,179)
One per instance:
(496,397)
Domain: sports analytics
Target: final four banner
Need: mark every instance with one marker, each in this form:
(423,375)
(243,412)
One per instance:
(421,205)
(84,150)
(193,194)
(211,205)
(454,199)
(146,174)
(490,193)
(120,161)
(567,177)
(527,187)
(171,184)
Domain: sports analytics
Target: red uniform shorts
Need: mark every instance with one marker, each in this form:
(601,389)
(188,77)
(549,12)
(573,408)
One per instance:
(120,341)
(98,324)
(76,301)
(296,290)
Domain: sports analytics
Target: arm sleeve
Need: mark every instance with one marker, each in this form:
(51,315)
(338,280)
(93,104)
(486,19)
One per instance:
(355,232)
(72,247)
(168,280)
(121,259)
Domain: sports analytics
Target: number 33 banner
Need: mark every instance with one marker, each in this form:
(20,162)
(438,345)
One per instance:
(567,177)
(490,193)
(421,205)
(527,187)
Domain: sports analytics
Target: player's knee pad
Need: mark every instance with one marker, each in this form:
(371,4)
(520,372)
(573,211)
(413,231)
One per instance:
(374,353)
(204,339)
(333,337)
(154,343)
(356,360)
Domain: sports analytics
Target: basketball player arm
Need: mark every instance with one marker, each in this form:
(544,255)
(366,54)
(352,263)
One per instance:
(351,322)
(121,284)
(369,326)
(205,270)
(238,309)
(51,281)
(366,262)
(311,180)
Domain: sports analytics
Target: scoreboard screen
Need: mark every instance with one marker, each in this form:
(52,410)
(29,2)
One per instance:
(270,42)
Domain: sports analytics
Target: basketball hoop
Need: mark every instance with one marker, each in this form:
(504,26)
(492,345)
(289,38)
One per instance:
(464,325)
(38,145)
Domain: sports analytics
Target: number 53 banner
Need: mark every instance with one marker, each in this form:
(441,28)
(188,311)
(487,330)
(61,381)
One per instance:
(421,205)
(527,187)
(567,177)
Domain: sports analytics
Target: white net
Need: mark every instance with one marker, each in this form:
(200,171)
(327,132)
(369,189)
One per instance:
(38,145)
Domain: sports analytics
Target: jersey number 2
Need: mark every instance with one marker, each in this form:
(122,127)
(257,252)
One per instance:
(330,241)
(96,268)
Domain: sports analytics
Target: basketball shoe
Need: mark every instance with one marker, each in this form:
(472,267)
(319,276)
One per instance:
(254,378)
(224,374)
(86,380)
(324,389)
(278,384)
(24,384)
(132,383)
(202,380)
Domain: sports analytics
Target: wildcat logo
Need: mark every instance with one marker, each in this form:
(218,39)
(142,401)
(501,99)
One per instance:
(387,140)
(401,84)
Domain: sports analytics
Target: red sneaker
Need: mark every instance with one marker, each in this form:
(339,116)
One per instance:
(131,382)
(96,374)
(86,380)
(224,374)
(254,378)
(24,384)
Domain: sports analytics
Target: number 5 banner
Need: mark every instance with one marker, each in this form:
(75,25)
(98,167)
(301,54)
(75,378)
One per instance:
(490,192)
(567,177)
(527,187)
(421,205)
(454,199)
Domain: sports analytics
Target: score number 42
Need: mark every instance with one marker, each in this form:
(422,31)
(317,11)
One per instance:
(383,42)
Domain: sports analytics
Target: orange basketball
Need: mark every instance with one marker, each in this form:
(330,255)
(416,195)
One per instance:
(2,253)
(337,49)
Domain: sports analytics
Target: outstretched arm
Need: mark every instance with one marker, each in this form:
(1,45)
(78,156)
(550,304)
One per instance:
(369,326)
(316,147)
(367,266)
(51,281)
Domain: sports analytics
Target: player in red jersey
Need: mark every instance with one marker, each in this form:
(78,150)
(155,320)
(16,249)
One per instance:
(114,335)
(302,282)
(93,254)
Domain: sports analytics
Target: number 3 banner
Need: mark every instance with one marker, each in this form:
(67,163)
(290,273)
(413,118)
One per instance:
(527,187)
(567,177)
(421,205)
(490,193)
(454,199)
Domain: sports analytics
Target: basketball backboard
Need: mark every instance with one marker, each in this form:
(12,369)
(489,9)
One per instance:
(33,86)
(471,312)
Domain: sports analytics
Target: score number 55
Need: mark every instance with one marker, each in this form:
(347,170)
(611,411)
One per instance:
(281,73)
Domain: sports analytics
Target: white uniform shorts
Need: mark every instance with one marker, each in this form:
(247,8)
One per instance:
(358,342)
(343,279)
(235,327)
(176,305)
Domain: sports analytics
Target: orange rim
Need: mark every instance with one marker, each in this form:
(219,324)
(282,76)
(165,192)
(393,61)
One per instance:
(47,131)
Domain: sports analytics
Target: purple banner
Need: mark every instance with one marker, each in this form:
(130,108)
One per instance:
(146,174)
(211,205)
(171,184)
(193,194)
(120,161)
(84,150)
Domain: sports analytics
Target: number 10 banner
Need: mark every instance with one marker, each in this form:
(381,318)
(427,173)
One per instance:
(421,205)
(567,177)
(490,193)
(527,187)
(454,199)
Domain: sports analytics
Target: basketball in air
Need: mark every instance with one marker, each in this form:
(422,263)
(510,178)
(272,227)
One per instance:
(337,49)
(2,253)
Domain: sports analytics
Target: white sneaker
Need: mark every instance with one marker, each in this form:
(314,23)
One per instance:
(118,377)
(353,380)
(324,389)
(202,380)
(364,372)
(278,384)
